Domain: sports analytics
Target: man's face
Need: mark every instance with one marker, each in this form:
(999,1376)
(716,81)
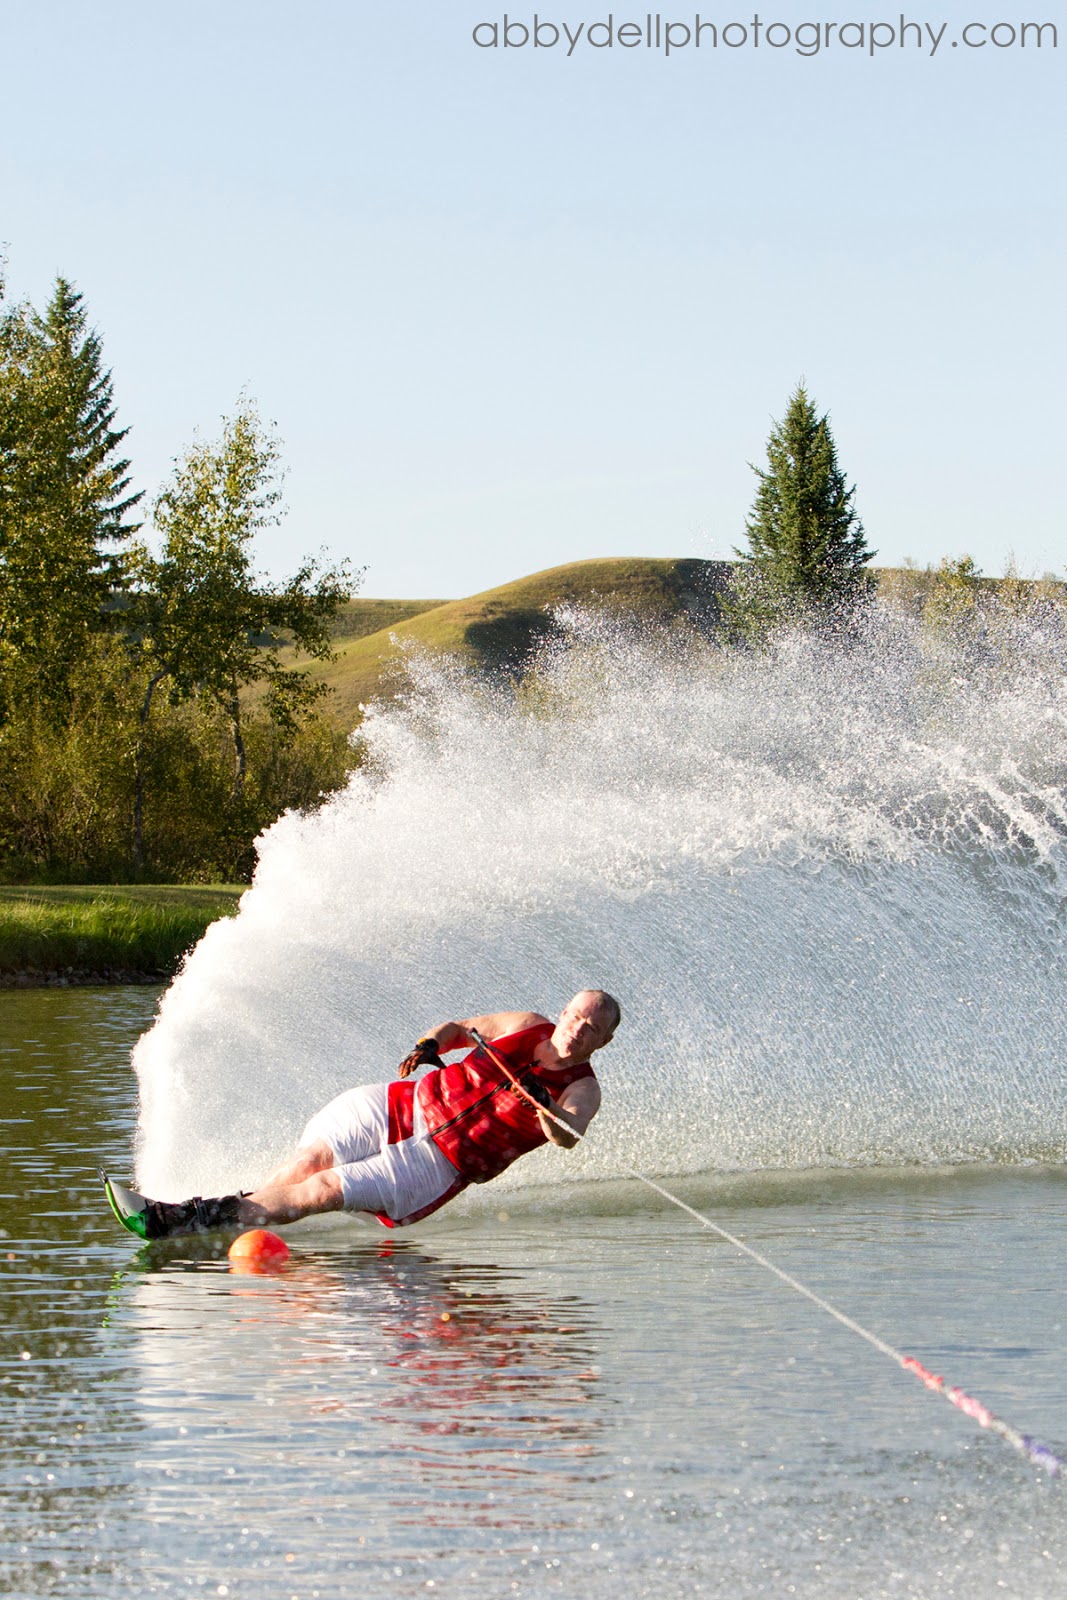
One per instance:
(581,1029)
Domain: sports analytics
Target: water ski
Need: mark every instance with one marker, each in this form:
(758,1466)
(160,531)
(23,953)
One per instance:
(169,1219)
(129,1207)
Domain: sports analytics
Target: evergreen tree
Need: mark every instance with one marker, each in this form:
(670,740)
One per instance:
(63,493)
(89,481)
(806,545)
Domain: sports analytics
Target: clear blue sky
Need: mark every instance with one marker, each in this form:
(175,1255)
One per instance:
(512,308)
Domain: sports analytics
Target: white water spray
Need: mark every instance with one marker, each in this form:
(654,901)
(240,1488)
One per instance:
(828,886)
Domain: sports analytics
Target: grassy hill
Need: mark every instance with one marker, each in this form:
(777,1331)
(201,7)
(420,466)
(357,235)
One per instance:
(498,627)
(360,617)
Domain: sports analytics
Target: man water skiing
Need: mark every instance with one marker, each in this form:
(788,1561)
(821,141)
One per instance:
(403,1149)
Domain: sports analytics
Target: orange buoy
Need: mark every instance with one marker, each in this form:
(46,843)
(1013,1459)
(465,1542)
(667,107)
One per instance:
(258,1248)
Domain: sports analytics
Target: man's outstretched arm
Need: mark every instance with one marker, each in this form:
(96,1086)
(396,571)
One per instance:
(446,1036)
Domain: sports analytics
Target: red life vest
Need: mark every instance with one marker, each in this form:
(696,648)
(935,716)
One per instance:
(474,1116)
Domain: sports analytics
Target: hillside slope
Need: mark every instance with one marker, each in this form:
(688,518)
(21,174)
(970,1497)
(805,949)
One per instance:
(499,627)
(360,617)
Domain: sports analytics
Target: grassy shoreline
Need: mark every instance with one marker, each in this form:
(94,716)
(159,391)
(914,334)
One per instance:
(89,934)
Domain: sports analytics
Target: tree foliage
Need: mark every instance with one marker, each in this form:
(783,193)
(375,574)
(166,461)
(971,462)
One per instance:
(148,725)
(806,544)
(67,793)
(64,499)
(206,625)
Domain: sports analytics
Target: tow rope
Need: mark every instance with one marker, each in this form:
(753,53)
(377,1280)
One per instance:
(1038,1453)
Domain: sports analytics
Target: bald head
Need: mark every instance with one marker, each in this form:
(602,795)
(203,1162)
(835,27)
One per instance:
(585,1024)
(605,1004)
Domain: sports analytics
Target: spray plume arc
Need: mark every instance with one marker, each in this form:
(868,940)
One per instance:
(724,837)
(1038,1453)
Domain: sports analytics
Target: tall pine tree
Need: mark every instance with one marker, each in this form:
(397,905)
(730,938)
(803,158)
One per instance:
(64,496)
(806,545)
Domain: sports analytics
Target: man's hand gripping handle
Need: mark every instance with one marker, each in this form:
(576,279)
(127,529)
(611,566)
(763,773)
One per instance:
(539,1105)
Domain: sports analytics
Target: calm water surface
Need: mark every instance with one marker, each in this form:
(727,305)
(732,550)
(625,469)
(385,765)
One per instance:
(563,1400)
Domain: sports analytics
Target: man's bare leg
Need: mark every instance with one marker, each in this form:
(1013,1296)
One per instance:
(288,1202)
(302,1187)
(309,1159)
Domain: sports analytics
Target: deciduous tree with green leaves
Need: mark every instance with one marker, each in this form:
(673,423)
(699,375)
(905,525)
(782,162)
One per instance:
(807,551)
(206,625)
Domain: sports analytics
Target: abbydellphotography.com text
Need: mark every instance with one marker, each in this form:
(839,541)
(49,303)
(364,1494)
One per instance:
(675,35)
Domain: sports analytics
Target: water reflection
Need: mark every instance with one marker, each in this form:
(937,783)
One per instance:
(399,1399)
(408,1349)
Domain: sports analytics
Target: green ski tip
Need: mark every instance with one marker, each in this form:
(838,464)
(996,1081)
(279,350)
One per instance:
(128,1206)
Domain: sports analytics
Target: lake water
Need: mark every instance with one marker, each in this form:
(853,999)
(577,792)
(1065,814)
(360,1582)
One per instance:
(828,882)
(578,1393)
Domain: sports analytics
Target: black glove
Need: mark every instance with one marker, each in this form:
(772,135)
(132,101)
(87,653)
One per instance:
(425,1054)
(537,1091)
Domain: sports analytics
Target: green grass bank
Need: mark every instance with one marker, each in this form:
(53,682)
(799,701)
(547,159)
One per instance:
(134,933)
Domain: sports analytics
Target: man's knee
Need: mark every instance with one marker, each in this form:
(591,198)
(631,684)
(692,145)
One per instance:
(308,1160)
(321,1191)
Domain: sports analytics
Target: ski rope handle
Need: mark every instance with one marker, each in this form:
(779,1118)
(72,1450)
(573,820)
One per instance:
(498,1061)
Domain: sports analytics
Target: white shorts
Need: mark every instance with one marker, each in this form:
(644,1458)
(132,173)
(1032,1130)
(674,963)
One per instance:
(398,1179)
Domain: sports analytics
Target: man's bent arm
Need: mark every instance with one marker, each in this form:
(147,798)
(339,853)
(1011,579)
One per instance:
(576,1106)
